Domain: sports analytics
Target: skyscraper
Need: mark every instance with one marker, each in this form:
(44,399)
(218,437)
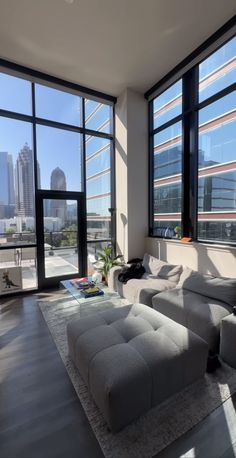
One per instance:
(7,199)
(38,175)
(11,190)
(58,183)
(58,180)
(25,182)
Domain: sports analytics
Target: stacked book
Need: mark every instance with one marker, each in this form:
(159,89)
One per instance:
(92,291)
(81,283)
(87,287)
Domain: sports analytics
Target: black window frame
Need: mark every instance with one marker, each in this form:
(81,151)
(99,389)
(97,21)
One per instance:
(37,77)
(189,118)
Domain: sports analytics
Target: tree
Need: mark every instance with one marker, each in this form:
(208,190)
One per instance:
(69,236)
(10,231)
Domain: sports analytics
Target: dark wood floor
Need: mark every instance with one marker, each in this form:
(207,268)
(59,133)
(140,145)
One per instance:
(214,437)
(40,414)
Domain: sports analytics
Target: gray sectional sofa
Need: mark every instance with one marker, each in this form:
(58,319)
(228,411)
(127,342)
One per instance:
(159,276)
(134,357)
(198,302)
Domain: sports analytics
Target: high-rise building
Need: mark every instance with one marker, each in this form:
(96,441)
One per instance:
(38,175)
(58,183)
(58,180)
(3,183)
(25,182)
(11,189)
(7,200)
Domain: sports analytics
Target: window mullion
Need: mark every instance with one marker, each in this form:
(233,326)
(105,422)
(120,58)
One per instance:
(151,168)
(190,154)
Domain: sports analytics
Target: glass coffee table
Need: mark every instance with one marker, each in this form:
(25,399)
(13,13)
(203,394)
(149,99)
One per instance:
(109,297)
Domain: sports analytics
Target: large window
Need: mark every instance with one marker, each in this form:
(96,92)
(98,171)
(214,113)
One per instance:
(59,106)
(98,116)
(193,152)
(59,159)
(99,197)
(167,162)
(56,147)
(217,146)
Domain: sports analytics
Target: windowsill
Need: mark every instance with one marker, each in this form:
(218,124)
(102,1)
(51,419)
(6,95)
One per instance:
(195,244)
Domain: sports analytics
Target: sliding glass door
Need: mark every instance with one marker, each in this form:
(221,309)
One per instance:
(61,239)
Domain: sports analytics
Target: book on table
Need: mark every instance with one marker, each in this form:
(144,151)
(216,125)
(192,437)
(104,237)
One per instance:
(91,292)
(81,283)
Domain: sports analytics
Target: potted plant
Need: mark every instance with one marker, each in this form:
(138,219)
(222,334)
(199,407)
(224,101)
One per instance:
(177,230)
(106,261)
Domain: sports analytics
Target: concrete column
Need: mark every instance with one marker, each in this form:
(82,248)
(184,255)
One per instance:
(131,173)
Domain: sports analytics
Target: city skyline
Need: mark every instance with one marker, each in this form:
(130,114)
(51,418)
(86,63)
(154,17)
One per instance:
(55,147)
(14,200)
(17,183)
(60,147)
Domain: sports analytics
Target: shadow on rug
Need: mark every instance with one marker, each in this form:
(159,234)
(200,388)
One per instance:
(152,432)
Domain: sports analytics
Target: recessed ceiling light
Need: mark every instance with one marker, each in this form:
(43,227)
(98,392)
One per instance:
(69,1)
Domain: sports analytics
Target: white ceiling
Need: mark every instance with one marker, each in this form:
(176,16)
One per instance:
(107,45)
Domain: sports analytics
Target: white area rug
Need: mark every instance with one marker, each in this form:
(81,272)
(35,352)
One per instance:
(160,426)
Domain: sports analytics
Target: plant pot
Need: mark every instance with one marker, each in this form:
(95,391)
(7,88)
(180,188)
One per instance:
(105,280)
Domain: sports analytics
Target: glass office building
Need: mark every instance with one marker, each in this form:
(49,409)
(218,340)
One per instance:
(213,155)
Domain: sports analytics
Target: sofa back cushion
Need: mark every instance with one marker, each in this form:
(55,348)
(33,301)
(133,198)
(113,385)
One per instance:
(223,289)
(151,264)
(186,272)
(161,269)
(170,272)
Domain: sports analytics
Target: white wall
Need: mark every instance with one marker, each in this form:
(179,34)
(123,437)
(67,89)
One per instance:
(131,173)
(121,175)
(211,259)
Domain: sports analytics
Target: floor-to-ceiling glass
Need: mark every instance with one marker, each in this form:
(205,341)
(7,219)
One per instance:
(56,151)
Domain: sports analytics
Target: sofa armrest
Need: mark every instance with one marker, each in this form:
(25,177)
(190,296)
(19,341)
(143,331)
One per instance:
(113,277)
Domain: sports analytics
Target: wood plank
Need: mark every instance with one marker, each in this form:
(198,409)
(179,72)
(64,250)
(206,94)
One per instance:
(40,414)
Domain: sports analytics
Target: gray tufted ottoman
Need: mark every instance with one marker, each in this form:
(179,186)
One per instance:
(132,358)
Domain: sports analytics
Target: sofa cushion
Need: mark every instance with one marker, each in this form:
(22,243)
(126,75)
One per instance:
(170,272)
(199,313)
(151,264)
(161,269)
(144,289)
(186,272)
(222,289)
